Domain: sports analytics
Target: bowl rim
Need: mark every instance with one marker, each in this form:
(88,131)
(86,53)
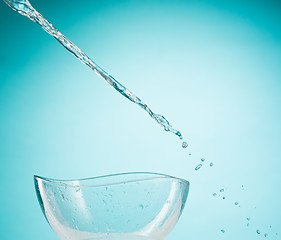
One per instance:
(76,182)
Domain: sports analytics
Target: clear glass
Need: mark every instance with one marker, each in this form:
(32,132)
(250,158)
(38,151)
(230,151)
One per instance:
(128,206)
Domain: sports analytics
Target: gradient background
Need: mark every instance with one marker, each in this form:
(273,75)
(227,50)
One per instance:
(212,68)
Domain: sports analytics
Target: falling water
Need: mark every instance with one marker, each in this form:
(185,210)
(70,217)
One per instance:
(24,7)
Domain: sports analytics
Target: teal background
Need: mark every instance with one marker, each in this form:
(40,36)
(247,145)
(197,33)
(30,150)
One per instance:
(212,68)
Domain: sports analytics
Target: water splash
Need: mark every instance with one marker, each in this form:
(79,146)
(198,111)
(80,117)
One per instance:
(24,8)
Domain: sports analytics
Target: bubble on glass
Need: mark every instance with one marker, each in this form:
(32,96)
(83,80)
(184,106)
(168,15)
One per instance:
(214,194)
(223,231)
(222,190)
(258,232)
(223,197)
(141,206)
(211,164)
(198,167)
(184,145)
(248,218)
(202,159)
(236,203)
(265,235)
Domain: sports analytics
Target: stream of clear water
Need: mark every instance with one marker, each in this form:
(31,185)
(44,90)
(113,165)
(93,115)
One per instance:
(24,7)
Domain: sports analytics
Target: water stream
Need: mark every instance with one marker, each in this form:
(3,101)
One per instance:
(24,7)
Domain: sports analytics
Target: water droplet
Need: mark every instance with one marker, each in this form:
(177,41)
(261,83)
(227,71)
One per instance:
(211,164)
(223,231)
(214,194)
(222,190)
(258,232)
(198,167)
(236,203)
(223,198)
(202,159)
(184,145)
(265,235)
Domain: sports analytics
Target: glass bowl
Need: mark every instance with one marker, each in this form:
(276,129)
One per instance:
(127,206)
